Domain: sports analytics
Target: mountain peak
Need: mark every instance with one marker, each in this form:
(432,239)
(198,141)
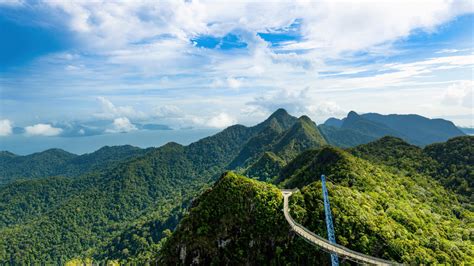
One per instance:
(280,116)
(306,119)
(280,112)
(352,114)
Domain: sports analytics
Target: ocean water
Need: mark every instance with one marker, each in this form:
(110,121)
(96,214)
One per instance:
(22,145)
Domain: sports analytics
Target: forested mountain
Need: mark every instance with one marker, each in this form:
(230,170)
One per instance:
(56,162)
(344,138)
(127,201)
(52,219)
(40,164)
(414,129)
(451,162)
(456,164)
(408,218)
(239,221)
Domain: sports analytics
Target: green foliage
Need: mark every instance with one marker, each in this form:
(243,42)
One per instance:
(238,221)
(456,164)
(343,138)
(398,154)
(406,218)
(127,201)
(285,142)
(56,162)
(121,211)
(35,165)
(266,168)
(451,162)
(79,216)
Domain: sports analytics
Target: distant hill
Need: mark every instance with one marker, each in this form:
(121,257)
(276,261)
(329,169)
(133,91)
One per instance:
(456,164)
(415,129)
(344,138)
(57,162)
(467,130)
(40,164)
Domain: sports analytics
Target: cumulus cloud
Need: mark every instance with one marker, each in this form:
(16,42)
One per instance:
(221,120)
(168,111)
(5,127)
(228,83)
(109,110)
(459,94)
(42,130)
(145,50)
(324,24)
(121,125)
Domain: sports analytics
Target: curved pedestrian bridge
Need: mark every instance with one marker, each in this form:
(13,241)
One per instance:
(341,251)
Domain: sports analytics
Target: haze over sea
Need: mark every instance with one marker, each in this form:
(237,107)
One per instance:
(22,145)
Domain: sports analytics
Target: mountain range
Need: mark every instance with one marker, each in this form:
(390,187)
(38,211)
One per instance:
(124,203)
(414,129)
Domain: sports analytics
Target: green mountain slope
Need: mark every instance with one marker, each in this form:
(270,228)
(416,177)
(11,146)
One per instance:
(450,162)
(91,216)
(398,154)
(239,221)
(303,135)
(406,218)
(456,164)
(88,215)
(40,164)
(276,145)
(344,138)
(124,211)
(266,168)
(56,162)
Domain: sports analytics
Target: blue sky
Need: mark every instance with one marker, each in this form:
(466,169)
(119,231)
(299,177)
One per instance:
(97,67)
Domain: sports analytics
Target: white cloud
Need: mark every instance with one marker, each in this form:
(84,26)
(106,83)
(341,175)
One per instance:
(122,125)
(221,120)
(331,25)
(142,51)
(42,130)
(234,83)
(459,94)
(227,83)
(5,127)
(109,110)
(168,111)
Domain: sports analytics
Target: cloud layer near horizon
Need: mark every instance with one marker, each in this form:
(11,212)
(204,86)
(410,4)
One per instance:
(212,64)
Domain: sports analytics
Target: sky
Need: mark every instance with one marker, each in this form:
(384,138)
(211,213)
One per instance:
(80,68)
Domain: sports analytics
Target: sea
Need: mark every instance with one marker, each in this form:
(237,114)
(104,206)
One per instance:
(23,145)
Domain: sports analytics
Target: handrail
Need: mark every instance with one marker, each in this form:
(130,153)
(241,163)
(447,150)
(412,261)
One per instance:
(326,245)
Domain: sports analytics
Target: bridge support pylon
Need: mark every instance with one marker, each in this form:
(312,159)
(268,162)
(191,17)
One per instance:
(329,223)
